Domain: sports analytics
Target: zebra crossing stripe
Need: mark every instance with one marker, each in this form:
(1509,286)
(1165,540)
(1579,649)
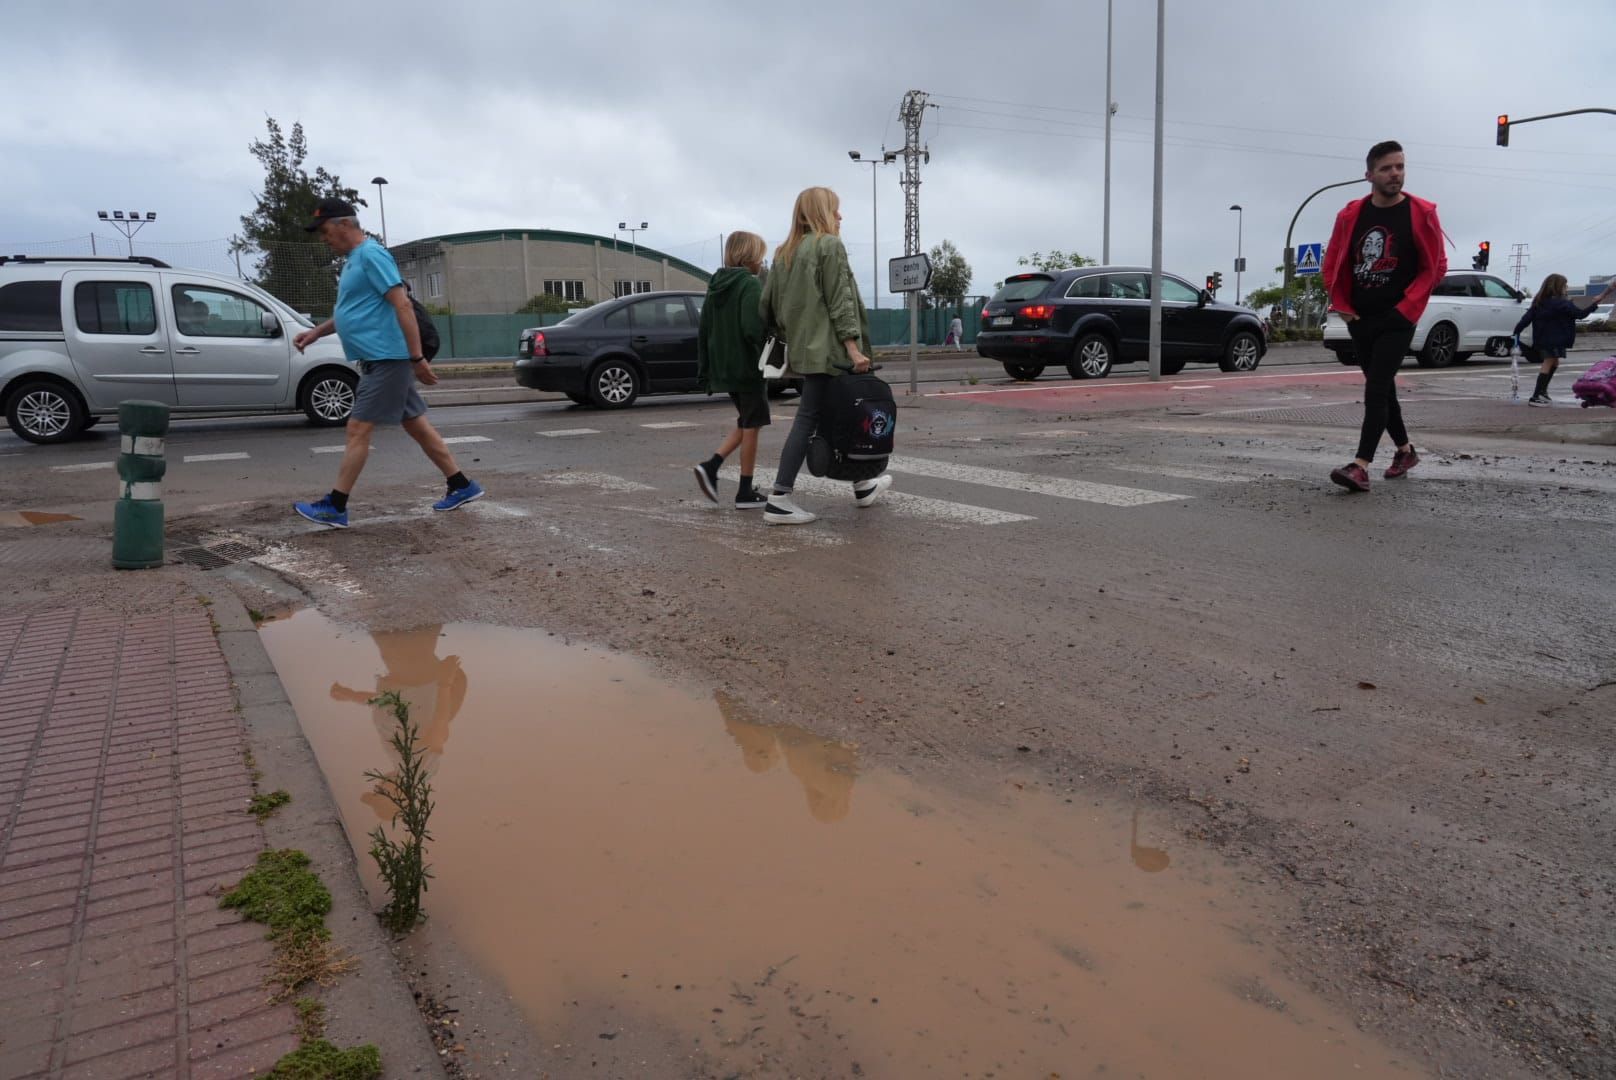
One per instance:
(1059,487)
(238,456)
(86,467)
(669,425)
(561,433)
(468,439)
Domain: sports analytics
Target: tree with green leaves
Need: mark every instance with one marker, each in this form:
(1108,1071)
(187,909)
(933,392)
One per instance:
(291,264)
(1308,298)
(1055,259)
(950,276)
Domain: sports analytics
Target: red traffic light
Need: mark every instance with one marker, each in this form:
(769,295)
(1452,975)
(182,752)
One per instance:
(1503,130)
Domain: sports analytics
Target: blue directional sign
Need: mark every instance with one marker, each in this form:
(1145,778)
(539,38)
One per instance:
(1309,258)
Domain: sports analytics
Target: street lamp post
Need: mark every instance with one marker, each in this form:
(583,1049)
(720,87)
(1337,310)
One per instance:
(128,225)
(1239,249)
(381,202)
(1110,107)
(633,242)
(887,158)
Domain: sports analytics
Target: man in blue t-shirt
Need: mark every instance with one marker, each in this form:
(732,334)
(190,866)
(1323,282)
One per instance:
(379,333)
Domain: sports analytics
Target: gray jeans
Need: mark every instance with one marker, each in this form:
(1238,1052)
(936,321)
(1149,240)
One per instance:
(802,429)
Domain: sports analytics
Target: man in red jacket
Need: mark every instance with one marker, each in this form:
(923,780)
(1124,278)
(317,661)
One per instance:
(1384,259)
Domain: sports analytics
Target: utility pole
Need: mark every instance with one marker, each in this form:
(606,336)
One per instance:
(911,112)
(1518,256)
(1110,107)
(1156,200)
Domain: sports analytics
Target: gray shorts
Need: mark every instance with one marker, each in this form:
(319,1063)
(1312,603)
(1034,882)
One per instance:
(387,393)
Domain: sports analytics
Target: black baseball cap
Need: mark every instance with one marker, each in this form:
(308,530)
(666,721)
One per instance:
(328,209)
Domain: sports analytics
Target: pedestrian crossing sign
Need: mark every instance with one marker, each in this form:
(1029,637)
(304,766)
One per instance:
(1308,258)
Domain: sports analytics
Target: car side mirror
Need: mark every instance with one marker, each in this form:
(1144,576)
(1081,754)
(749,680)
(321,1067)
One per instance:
(271,325)
(1203,298)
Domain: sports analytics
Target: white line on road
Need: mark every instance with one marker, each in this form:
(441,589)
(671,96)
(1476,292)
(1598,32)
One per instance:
(905,504)
(617,485)
(668,425)
(238,456)
(1060,488)
(1090,385)
(86,467)
(327,449)
(1197,386)
(468,438)
(1051,433)
(558,433)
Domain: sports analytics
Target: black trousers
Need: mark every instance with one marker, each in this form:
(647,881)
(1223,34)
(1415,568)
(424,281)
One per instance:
(1380,342)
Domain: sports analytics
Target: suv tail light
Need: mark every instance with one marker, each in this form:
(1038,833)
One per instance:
(1038,312)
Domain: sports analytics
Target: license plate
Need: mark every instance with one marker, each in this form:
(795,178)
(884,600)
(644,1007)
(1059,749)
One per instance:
(1004,320)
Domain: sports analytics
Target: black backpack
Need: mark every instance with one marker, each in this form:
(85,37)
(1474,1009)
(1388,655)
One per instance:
(429,332)
(856,427)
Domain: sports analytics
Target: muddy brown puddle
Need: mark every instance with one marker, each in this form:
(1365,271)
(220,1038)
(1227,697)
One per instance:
(602,835)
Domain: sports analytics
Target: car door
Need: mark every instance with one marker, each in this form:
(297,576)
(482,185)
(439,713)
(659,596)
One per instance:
(663,335)
(1128,303)
(117,343)
(224,356)
(1191,330)
(1504,308)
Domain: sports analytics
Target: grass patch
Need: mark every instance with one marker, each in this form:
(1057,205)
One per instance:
(257,617)
(319,1060)
(261,805)
(310,1019)
(285,895)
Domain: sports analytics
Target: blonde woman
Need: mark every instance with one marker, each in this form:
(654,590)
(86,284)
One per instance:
(812,303)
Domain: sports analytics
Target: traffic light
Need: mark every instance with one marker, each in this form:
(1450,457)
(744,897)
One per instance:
(1217,280)
(1483,253)
(1503,130)
(1211,285)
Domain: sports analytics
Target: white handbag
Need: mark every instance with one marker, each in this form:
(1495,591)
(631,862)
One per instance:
(772,360)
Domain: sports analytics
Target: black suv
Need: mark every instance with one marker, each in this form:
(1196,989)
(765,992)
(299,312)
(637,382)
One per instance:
(1093,317)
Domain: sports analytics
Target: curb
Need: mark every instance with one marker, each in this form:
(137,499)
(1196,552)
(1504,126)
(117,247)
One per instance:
(372,1004)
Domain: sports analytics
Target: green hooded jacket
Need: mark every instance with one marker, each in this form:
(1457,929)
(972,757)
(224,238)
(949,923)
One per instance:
(814,305)
(731,334)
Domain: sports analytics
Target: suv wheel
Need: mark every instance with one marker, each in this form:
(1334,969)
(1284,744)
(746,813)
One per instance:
(1091,357)
(1441,346)
(1243,353)
(614,384)
(1024,372)
(45,412)
(328,397)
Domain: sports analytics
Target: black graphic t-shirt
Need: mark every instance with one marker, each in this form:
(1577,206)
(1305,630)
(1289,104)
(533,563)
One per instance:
(1384,259)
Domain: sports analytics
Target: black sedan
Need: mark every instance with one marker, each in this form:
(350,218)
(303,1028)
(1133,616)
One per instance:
(1093,317)
(609,354)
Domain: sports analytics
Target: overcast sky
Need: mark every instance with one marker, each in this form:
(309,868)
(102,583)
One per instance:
(704,117)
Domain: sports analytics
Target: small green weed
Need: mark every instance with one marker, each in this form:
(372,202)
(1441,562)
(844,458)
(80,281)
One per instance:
(971,377)
(262,805)
(317,1059)
(285,895)
(257,617)
(310,1019)
(403,863)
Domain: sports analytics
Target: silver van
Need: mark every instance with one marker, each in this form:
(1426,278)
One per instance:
(80,335)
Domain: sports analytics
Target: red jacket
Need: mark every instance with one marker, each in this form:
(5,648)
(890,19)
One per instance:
(1427,241)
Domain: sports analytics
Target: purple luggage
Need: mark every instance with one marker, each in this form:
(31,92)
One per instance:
(1597,386)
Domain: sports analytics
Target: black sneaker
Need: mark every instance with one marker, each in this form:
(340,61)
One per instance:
(1540,400)
(707,478)
(750,499)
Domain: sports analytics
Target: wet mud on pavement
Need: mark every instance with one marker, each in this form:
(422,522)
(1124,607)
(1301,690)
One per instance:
(609,840)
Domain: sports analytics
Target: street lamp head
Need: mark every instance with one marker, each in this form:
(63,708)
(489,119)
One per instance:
(134,215)
(117,215)
(644,225)
(623,226)
(1236,206)
(102,214)
(378,180)
(854,154)
(151,215)
(889,156)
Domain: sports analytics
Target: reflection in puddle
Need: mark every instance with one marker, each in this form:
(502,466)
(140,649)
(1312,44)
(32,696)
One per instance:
(605,837)
(12,518)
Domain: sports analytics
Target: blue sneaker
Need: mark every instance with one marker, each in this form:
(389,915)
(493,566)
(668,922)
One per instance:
(456,499)
(323,512)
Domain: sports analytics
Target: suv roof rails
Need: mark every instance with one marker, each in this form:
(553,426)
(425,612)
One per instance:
(145,260)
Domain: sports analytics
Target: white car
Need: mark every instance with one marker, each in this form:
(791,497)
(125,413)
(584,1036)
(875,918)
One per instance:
(1469,312)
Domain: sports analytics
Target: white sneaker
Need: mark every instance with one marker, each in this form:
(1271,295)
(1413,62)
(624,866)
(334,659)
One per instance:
(866,492)
(780,510)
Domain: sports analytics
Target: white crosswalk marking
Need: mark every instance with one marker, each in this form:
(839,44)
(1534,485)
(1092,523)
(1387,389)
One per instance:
(669,425)
(327,449)
(901,502)
(238,456)
(616,485)
(1059,487)
(561,433)
(468,438)
(86,467)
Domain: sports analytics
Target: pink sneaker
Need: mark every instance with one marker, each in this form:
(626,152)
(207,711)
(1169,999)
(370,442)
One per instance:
(1352,477)
(1402,461)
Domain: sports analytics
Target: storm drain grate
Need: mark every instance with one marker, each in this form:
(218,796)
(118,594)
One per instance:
(213,556)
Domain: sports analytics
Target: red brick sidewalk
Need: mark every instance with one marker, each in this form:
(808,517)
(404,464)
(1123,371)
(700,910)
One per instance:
(123,793)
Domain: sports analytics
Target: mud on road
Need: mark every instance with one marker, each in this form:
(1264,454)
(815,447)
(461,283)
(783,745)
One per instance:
(1406,749)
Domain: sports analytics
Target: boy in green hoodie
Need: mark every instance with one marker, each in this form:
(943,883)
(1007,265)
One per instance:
(727,348)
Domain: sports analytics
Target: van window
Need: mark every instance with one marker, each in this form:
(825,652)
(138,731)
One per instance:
(115,307)
(31,306)
(200,311)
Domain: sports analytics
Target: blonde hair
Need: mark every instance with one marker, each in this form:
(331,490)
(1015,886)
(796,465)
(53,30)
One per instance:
(1553,286)
(815,211)
(744,249)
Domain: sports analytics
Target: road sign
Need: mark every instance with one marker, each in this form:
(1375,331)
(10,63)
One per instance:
(908,273)
(1308,258)
(1240,266)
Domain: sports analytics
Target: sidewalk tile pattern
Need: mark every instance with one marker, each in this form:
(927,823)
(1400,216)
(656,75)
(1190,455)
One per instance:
(123,793)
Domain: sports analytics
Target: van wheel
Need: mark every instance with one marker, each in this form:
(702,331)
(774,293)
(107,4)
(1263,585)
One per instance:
(1091,358)
(613,384)
(45,412)
(328,397)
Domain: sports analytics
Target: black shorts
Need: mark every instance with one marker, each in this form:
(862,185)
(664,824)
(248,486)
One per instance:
(751,409)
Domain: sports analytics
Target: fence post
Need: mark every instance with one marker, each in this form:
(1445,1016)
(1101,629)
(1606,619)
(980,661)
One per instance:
(137,520)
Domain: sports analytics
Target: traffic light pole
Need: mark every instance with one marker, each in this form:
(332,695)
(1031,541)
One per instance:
(1505,123)
(1290,252)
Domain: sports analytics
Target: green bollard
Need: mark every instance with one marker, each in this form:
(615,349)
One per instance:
(137,521)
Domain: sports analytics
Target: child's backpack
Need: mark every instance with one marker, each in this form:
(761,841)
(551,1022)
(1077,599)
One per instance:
(856,427)
(1597,386)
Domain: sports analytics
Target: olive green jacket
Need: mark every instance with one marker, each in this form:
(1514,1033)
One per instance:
(814,306)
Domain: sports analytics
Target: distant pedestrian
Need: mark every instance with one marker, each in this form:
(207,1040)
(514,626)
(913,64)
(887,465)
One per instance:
(377,324)
(727,349)
(1384,259)
(1553,319)
(956,332)
(811,302)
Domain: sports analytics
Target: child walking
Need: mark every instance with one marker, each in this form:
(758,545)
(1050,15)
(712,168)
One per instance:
(727,347)
(1553,319)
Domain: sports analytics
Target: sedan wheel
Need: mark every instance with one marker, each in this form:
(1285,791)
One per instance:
(329,399)
(1441,346)
(1092,357)
(614,384)
(43,412)
(1243,353)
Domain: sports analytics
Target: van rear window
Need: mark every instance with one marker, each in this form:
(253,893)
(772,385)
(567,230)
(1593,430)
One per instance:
(31,307)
